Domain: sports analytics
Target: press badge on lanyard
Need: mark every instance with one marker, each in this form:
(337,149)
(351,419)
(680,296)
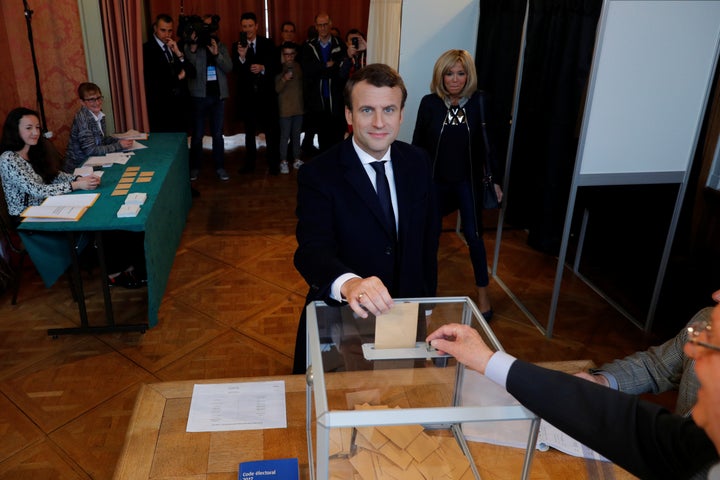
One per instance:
(211,73)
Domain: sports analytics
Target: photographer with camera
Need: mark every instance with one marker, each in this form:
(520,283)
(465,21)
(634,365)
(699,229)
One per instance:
(255,61)
(208,90)
(356,50)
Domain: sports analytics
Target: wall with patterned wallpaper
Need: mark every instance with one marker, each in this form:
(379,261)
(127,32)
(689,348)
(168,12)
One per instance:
(60,58)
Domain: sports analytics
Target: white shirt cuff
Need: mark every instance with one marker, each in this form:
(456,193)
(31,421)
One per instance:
(498,367)
(338,283)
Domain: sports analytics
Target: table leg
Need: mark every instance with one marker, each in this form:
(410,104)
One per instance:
(77,288)
(109,317)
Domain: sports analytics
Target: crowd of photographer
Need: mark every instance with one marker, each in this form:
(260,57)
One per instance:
(280,90)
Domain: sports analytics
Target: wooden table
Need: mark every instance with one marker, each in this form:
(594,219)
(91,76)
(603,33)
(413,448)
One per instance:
(158,447)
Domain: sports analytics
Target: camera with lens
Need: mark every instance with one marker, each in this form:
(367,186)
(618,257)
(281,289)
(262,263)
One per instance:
(198,30)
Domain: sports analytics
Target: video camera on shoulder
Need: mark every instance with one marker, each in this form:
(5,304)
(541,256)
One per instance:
(203,29)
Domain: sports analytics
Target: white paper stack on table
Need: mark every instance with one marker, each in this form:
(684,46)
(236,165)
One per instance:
(60,208)
(132,204)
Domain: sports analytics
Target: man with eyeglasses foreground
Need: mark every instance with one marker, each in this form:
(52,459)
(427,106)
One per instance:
(643,438)
(88,136)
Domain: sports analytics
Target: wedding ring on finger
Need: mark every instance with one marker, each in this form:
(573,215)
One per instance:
(360,297)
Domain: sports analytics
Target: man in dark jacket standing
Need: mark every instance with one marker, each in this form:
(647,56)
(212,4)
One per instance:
(367,228)
(325,67)
(166,73)
(256,62)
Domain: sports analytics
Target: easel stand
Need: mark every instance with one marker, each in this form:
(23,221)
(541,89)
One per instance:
(651,77)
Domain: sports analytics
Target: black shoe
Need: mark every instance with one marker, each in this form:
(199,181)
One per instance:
(125,280)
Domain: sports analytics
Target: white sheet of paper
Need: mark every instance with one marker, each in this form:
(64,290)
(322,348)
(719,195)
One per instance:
(131,134)
(112,158)
(87,171)
(77,200)
(83,171)
(137,146)
(477,389)
(102,161)
(54,211)
(398,327)
(237,406)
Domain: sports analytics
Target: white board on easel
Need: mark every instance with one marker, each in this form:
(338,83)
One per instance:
(652,73)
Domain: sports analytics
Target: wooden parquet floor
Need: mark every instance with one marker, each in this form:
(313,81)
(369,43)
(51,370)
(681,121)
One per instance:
(230,310)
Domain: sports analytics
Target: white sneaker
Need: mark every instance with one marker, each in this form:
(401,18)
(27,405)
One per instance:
(298,163)
(284,169)
(222,174)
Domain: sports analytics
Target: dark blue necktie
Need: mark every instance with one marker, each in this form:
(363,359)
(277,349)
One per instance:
(168,55)
(383,192)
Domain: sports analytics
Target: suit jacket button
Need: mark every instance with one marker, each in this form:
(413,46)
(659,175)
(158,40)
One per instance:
(388,250)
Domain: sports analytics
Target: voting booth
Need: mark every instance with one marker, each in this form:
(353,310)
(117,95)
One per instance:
(382,400)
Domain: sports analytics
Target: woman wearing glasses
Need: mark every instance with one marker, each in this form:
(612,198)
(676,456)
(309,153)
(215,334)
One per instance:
(88,136)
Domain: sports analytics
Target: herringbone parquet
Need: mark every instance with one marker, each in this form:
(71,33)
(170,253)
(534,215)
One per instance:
(230,310)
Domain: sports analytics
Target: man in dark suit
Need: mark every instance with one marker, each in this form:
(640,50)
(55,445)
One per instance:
(366,227)
(256,62)
(643,438)
(165,72)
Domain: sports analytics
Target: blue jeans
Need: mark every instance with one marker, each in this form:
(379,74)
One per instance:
(214,110)
(290,128)
(458,196)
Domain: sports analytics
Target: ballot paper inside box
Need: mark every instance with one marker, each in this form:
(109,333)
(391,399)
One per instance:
(382,404)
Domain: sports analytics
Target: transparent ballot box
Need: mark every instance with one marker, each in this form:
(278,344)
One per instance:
(382,404)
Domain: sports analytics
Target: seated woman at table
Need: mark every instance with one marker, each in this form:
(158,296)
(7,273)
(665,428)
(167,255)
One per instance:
(88,136)
(29,175)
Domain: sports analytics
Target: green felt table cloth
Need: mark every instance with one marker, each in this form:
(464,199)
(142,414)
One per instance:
(162,217)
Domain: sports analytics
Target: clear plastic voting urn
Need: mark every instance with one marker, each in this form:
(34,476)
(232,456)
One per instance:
(381,403)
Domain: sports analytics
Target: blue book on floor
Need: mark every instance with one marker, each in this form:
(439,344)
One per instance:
(281,469)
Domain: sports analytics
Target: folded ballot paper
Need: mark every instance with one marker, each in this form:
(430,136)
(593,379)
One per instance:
(479,390)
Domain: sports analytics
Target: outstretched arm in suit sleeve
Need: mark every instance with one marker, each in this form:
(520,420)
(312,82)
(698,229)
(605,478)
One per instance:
(641,437)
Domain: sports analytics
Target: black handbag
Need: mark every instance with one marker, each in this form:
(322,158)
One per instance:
(490,199)
(489,195)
